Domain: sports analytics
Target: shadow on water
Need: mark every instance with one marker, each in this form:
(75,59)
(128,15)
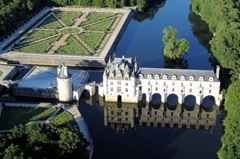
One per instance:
(150,13)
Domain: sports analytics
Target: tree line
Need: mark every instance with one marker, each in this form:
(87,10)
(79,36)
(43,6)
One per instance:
(43,141)
(223,19)
(12,12)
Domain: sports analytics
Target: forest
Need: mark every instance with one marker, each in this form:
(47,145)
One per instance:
(223,19)
(13,13)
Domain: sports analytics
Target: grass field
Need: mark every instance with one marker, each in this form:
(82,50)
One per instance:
(63,118)
(102,26)
(93,17)
(68,17)
(93,39)
(50,23)
(40,47)
(73,47)
(36,35)
(18,115)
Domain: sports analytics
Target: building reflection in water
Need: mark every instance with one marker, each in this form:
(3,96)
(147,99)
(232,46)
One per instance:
(122,116)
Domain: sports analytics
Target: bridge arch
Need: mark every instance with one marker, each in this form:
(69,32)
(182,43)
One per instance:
(189,102)
(208,103)
(172,100)
(156,99)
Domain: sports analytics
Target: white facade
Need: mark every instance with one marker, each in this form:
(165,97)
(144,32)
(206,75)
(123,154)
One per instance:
(124,81)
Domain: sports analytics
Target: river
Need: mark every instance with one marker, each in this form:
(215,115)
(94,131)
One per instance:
(143,39)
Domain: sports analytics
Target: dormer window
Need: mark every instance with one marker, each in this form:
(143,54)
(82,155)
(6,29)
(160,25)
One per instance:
(191,78)
(201,78)
(156,76)
(140,76)
(164,76)
(182,77)
(149,76)
(211,79)
(174,77)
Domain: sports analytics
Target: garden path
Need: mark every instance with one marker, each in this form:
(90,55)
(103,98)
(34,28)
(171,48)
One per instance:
(78,21)
(84,44)
(59,43)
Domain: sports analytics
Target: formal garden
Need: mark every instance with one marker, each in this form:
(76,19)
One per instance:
(70,33)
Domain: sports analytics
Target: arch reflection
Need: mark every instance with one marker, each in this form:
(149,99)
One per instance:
(130,116)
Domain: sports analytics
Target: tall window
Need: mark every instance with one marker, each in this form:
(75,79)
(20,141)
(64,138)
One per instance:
(118,89)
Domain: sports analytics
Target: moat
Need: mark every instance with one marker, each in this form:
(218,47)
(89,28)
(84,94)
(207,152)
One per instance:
(143,39)
(156,130)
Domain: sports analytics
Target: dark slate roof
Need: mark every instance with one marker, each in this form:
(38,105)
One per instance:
(206,74)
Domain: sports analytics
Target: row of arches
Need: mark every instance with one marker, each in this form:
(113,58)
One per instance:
(188,101)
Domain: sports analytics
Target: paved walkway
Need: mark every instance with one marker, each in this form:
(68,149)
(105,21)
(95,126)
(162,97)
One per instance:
(78,21)
(81,124)
(59,43)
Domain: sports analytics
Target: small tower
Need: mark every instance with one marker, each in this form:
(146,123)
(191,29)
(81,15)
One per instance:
(64,84)
(217,71)
(105,82)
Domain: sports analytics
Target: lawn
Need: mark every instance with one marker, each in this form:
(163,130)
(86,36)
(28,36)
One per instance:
(21,115)
(73,47)
(93,17)
(93,39)
(68,17)
(50,23)
(40,47)
(102,26)
(63,118)
(36,35)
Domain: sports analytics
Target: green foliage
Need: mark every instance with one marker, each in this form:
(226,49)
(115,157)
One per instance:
(174,47)
(16,115)
(43,141)
(73,47)
(40,47)
(68,17)
(37,35)
(225,45)
(102,26)
(63,119)
(95,17)
(0,73)
(51,23)
(230,140)
(93,39)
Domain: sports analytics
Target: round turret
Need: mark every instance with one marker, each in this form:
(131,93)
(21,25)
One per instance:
(64,85)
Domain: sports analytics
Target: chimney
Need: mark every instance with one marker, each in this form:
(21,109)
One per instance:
(218,71)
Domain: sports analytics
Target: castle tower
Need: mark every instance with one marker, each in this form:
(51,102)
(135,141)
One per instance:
(105,82)
(64,84)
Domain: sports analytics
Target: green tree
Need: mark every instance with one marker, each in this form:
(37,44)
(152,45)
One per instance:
(13,152)
(225,44)
(174,47)
(230,140)
(98,3)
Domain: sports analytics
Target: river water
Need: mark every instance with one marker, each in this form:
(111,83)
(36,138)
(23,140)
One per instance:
(143,39)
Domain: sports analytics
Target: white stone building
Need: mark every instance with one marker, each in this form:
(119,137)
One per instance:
(124,81)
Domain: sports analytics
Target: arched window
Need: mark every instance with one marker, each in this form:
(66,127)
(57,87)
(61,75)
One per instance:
(201,78)
(149,76)
(182,77)
(191,78)
(174,77)
(164,76)
(156,76)
(210,78)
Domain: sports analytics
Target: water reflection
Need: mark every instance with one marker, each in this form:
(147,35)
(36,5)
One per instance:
(123,116)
